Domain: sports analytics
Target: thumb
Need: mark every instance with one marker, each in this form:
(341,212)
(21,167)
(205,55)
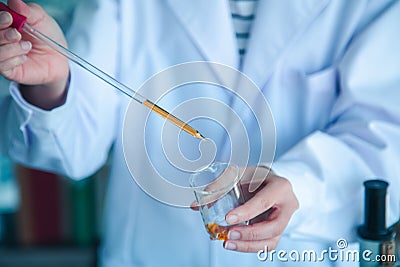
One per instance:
(32,11)
(19,6)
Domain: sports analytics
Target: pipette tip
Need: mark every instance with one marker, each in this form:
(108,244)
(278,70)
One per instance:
(198,135)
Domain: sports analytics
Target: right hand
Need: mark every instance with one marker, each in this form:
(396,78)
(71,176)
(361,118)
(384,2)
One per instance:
(41,71)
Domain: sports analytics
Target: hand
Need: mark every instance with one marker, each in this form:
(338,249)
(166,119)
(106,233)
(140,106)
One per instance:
(268,209)
(26,60)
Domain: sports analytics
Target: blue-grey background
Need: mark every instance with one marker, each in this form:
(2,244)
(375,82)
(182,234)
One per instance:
(62,11)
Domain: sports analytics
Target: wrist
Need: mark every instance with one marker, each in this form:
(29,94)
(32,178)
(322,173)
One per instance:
(46,96)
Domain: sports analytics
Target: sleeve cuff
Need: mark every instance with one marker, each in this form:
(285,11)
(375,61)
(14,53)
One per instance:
(26,113)
(305,187)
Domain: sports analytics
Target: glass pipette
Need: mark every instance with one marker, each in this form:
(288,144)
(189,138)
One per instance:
(19,22)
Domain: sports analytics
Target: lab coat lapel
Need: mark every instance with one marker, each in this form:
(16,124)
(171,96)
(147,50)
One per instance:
(209,24)
(275,28)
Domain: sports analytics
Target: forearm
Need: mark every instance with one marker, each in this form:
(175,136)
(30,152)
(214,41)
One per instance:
(72,139)
(68,126)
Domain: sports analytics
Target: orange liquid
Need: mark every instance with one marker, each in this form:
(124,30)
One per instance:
(217,231)
(165,114)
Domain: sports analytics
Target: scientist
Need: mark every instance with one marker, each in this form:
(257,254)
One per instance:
(329,69)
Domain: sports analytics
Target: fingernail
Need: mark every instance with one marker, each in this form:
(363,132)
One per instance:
(26,45)
(233,235)
(230,246)
(231,219)
(12,34)
(5,17)
(7,72)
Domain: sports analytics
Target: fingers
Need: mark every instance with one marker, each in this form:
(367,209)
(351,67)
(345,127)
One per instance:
(273,194)
(12,51)
(251,246)
(11,64)
(270,210)
(9,51)
(5,20)
(9,35)
(194,205)
(260,231)
(13,55)
(258,204)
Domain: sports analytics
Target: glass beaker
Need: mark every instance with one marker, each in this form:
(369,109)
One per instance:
(217,191)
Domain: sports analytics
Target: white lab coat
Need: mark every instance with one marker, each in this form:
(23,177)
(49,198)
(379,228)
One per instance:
(329,69)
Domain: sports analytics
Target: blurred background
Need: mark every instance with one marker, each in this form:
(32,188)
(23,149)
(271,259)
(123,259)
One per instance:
(46,219)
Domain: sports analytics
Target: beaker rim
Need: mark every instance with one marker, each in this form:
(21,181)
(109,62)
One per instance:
(225,189)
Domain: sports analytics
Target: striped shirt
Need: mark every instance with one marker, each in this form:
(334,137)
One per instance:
(243,13)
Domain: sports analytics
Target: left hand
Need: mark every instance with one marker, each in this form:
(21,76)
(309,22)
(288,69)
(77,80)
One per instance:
(268,209)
